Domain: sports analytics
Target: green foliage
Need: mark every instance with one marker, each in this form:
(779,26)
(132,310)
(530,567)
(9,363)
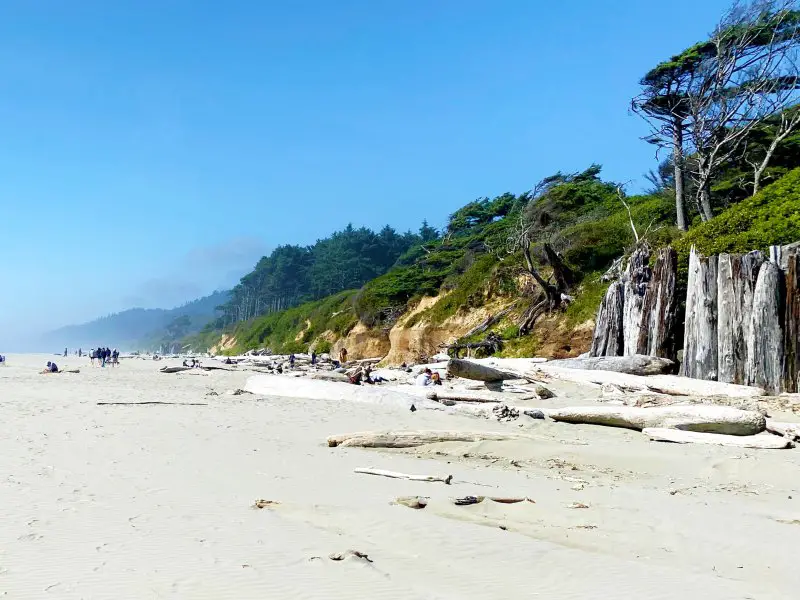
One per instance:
(768,218)
(294,329)
(323,347)
(587,301)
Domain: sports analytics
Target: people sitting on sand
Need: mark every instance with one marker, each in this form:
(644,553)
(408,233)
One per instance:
(186,363)
(424,378)
(436,379)
(343,356)
(51,367)
(228,361)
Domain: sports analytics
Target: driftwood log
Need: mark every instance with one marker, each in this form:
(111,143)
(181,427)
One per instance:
(174,369)
(411,439)
(607,339)
(736,282)
(329,376)
(698,417)
(700,334)
(394,475)
(632,365)
(635,280)
(791,333)
(448,397)
(476,371)
(657,334)
(765,442)
(764,366)
(789,430)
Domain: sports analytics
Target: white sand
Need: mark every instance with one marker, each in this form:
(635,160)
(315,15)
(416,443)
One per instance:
(155,501)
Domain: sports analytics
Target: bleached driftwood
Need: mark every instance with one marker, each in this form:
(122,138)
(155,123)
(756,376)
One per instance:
(395,475)
(700,334)
(765,442)
(152,402)
(632,365)
(764,366)
(789,430)
(736,282)
(791,332)
(607,339)
(450,397)
(329,376)
(664,384)
(696,417)
(660,309)
(468,369)
(411,439)
(174,369)
(635,280)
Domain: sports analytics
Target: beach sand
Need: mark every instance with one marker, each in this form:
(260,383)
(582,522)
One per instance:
(155,501)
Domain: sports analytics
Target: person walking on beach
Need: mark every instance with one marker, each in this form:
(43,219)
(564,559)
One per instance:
(65,352)
(314,358)
(80,352)
(114,357)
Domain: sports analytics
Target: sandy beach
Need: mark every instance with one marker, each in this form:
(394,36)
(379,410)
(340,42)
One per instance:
(156,501)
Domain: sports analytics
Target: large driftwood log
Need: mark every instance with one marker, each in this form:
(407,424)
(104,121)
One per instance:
(329,376)
(450,397)
(764,366)
(736,282)
(411,439)
(174,369)
(394,475)
(703,418)
(468,369)
(607,339)
(700,334)
(633,365)
(660,310)
(789,430)
(636,279)
(791,332)
(764,442)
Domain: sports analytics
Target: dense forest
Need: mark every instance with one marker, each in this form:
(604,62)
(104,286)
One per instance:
(724,118)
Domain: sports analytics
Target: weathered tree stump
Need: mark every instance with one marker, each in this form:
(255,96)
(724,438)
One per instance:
(607,339)
(736,282)
(700,335)
(791,334)
(660,308)
(764,366)
(636,279)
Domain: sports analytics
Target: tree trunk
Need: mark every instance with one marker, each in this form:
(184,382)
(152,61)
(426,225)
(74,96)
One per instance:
(476,371)
(636,278)
(705,202)
(700,334)
(677,160)
(607,338)
(660,310)
(632,365)
(764,367)
(736,282)
(791,380)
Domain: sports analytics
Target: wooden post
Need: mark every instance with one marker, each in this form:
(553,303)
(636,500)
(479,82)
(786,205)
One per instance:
(636,279)
(659,313)
(791,335)
(700,335)
(736,282)
(764,366)
(607,338)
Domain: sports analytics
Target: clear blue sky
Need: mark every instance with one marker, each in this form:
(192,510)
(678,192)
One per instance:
(151,151)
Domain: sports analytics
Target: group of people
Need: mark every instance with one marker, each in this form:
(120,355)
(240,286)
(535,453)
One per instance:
(195,364)
(428,377)
(105,356)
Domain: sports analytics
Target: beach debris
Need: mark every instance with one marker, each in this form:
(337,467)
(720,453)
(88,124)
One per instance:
(503,412)
(238,392)
(412,439)
(148,402)
(261,503)
(413,408)
(450,398)
(415,502)
(534,413)
(578,487)
(578,505)
(212,393)
(468,500)
(788,430)
(468,369)
(174,369)
(338,556)
(585,527)
(393,475)
(698,417)
(762,441)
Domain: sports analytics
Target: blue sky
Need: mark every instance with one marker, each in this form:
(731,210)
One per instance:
(151,151)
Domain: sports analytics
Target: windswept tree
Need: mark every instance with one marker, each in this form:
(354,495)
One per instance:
(708,99)
(751,77)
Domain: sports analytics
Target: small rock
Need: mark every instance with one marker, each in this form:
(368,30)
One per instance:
(261,503)
(578,487)
(354,553)
(413,408)
(543,392)
(578,505)
(534,413)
